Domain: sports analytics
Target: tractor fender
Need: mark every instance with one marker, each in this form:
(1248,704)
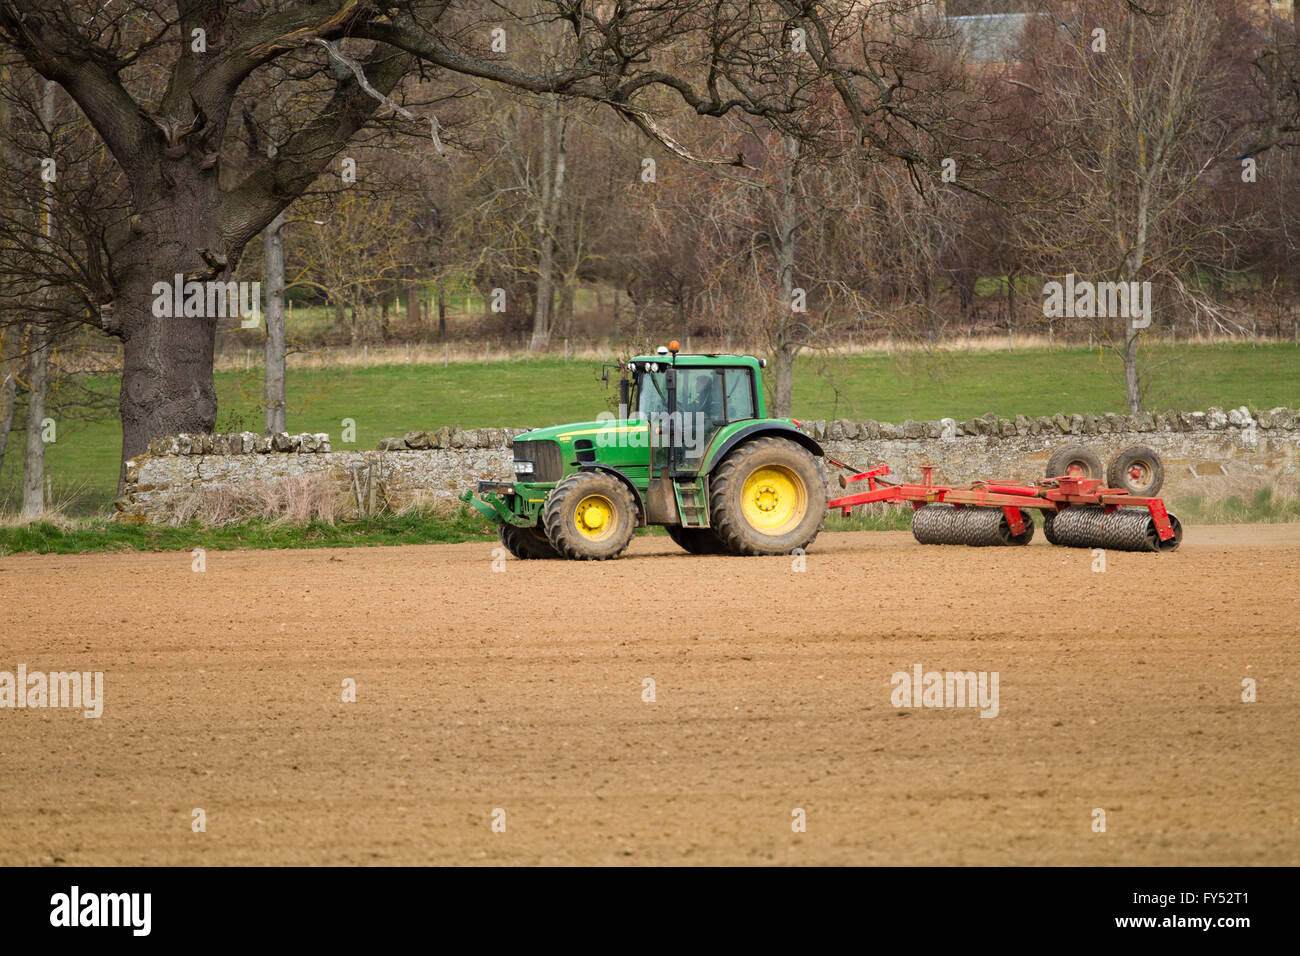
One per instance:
(636,494)
(759,430)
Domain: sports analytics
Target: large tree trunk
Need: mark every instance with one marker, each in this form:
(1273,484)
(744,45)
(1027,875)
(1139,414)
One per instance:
(273,393)
(34,456)
(167,381)
(167,384)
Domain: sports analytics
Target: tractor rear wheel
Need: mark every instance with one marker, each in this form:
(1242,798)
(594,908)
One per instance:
(590,516)
(526,543)
(767,497)
(696,540)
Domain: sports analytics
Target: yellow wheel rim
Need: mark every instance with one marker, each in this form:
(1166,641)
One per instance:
(774,499)
(594,517)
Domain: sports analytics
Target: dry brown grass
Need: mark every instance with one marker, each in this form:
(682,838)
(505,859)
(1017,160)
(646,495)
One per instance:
(296,499)
(1236,499)
(56,513)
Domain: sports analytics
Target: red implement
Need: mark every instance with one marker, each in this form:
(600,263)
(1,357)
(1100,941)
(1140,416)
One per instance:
(1047,495)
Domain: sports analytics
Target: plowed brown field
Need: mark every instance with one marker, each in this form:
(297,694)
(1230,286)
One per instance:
(522,690)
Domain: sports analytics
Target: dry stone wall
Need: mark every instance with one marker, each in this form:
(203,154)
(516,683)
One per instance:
(433,467)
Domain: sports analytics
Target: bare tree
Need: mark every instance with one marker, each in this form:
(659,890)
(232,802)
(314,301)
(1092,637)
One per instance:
(1132,108)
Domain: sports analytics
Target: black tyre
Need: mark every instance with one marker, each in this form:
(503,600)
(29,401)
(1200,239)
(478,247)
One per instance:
(590,516)
(526,543)
(767,497)
(1076,461)
(696,540)
(1048,532)
(1138,470)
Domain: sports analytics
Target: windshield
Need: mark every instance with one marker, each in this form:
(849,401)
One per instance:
(699,390)
(651,394)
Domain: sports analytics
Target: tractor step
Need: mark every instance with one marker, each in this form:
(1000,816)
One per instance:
(692,502)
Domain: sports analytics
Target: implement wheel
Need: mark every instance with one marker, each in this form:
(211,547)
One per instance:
(696,540)
(526,543)
(768,497)
(1074,461)
(1138,470)
(590,516)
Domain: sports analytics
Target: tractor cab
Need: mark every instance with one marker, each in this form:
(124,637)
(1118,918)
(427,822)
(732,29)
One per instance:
(687,400)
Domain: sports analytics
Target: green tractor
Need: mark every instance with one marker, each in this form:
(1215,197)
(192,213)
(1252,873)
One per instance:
(691,449)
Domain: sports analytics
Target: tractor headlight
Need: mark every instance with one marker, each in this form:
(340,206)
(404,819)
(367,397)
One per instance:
(523,467)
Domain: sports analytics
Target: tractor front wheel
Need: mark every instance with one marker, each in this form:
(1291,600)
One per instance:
(590,516)
(767,497)
(526,543)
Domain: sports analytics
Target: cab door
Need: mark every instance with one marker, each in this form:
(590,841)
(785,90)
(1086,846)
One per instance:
(701,411)
(708,399)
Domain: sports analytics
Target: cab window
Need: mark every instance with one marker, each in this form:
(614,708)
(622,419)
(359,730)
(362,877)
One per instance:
(652,394)
(699,392)
(740,394)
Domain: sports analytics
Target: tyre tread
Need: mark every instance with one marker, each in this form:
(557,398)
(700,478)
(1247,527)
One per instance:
(731,528)
(553,514)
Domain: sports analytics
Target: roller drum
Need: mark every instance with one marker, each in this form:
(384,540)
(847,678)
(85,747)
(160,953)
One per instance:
(975,527)
(932,524)
(1125,529)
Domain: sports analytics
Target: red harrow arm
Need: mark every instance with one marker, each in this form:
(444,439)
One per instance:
(1077,512)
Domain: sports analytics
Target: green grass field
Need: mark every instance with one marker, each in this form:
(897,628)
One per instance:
(390,400)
